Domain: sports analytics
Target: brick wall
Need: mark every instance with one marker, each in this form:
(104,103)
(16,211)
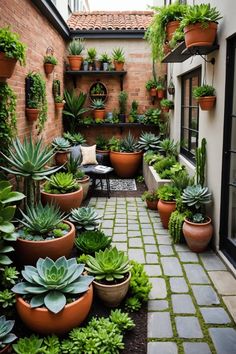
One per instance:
(38,34)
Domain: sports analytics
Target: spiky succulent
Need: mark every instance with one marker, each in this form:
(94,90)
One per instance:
(51,282)
(98,104)
(196,196)
(61,183)
(122,320)
(75,139)
(108,265)
(128,143)
(92,241)
(85,217)
(60,144)
(5,328)
(149,141)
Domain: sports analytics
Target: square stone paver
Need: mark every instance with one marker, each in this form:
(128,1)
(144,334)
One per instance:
(159,325)
(166,250)
(230,302)
(133,227)
(188,327)
(134,233)
(120,230)
(178,285)
(119,238)
(205,295)
(196,274)
(215,315)
(162,348)
(182,304)
(147,232)
(196,348)
(224,282)
(224,340)
(153,270)
(171,266)
(136,254)
(151,258)
(187,257)
(107,232)
(135,242)
(182,248)
(150,248)
(121,246)
(149,240)
(165,240)
(158,290)
(157,305)
(211,261)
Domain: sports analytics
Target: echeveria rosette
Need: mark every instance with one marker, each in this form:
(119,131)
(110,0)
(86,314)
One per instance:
(50,282)
(5,328)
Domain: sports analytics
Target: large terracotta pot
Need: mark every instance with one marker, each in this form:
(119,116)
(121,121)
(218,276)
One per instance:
(28,252)
(7,66)
(41,320)
(75,62)
(165,210)
(206,103)
(198,35)
(85,182)
(66,202)
(112,295)
(126,164)
(152,204)
(118,65)
(171,27)
(32,114)
(48,68)
(6,349)
(61,157)
(99,114)
(197,236)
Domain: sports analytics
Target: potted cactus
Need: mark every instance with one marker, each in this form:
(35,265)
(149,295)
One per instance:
(105,60)
(49,63)
(62,148)
(75,49)
(98,107)
(59,103)
(111,269)
(118,58)
(56,295)
(6,337)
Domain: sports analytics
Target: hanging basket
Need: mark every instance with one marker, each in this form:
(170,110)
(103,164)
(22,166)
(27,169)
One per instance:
(7,66)
(207,103)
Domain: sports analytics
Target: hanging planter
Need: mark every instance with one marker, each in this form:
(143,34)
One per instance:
(166,105)
(205,95)
(171,27)
(32,114)
(151,87)
(160,92)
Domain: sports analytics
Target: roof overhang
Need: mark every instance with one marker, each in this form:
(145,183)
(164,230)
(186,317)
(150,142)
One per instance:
(108,34)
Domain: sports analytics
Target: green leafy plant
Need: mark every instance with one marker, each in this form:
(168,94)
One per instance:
(152,116)
(150,196)
(90,242)
(82,258)
(5,328)
(60,144)
(98,89)
(196,196)
(149,141)
(76,46)
(122,320)
(105,58)
(61,183)
(75,139)
(97,104)
(59,99)
(118,55)
(164,164)
(128,143)
(132,304)
(167,103)
(7,299)
(175,226)
(11,45)
(150,84)
(168,147)
(32,345)
(133,114)
(85,218)
(168,192)
(92,53)
(122,97)
(102,143)
(203,91)
(114,144)
(73,108)
(72,167)
(56,87)
(51,282)
(202,13)
(9,276)
(50,59)
(110,265)
(181,179)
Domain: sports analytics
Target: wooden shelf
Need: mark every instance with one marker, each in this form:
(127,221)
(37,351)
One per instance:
(123,125)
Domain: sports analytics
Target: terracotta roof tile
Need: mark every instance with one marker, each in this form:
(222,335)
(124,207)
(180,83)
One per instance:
(106,20)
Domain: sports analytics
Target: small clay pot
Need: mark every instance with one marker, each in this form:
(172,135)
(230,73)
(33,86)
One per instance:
(160,94)
(206,103)
(7,66)
(119,66)
(152,204)
(59,106)
(6,349)
(153,92)
(99,114)
(66,202)
(48,68)
(61,157)
(32,114)
(171,27)
(85,182)
(75,62)
(165,210)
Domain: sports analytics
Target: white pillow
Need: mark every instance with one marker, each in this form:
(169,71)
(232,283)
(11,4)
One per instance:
(88,155)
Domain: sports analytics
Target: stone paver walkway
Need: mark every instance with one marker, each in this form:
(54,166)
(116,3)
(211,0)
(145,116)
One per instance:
(186,311)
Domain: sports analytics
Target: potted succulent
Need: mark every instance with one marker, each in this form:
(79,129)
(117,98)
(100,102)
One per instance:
(200,25)
(166,105)
(98,107)
(91,56)
(105,60)
(151,199)
(111,269)
(62,148)
(205,95)
(102,147)
(43,233)
(74,138)
(151,87)
(11,50)
(72,166)
(149,142)
(75,49)
(118,59)
(85,218)
(49,63)
(54,296)
(160,89)
(197,228)
(6,337)
(89,242)
(74,108)
(122,97)
(63,190)
(125,156)
(167,195)
(59,103)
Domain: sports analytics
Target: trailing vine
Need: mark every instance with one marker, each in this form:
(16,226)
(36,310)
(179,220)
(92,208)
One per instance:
(7,116)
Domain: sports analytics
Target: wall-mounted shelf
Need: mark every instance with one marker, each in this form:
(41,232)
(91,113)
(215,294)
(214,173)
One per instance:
(75,74)
(121,126)
(181,53)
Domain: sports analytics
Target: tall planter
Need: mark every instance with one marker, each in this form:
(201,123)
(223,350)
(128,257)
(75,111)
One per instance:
(165,209)
(126,164)
(196,235)
(7,66)
(198,35)
(41,320)
(66,202)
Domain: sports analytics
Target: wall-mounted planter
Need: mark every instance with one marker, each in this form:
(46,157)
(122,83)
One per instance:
(160,94)
(48,68)
(32,114)
(171,27)
(59,106)
(7,66)
(98,90)
(153,92)
(199,35)
(207,103)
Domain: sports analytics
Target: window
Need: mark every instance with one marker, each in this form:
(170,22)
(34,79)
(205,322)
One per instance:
(189,114)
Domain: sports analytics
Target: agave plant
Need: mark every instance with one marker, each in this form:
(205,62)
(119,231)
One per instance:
(5,328)
(75,139)
(85,217)
(98,104)
(50,283)
(60,144)
(108,265)
(128,143)
(90,242)
(76,46)
(74,107)
(169,147)
(149,141)
(73,164)
(196,196)
(28,160)
(61,183)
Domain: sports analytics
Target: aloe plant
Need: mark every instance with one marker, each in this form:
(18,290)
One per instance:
(51,283)
(169,147)
(61,183)
(76,46)
(108,265)
(90,242)
(5,328)
(60,144)
(85,217)
(75,139)
(149,141)
(118,55)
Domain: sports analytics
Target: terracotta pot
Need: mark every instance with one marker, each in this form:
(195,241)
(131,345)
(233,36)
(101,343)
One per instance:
(97,65)
(75,62)
(7,66)
(32,114)
(112,295)
(160,94)
(41,320)
(197,35)
(59,106)
(61,157)
(66,202)
(207,103)
(85,182)
(152,204)
(165,210)
(28,252)
(6,349)
(99,114)
(153,92)
(118,65)
(166,49)
(171,27)
(126,164)
(165,109)
(197,236)
(48,68)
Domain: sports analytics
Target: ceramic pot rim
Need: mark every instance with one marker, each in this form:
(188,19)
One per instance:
(126,153)
(69,194)
(112,285)
(198,224)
